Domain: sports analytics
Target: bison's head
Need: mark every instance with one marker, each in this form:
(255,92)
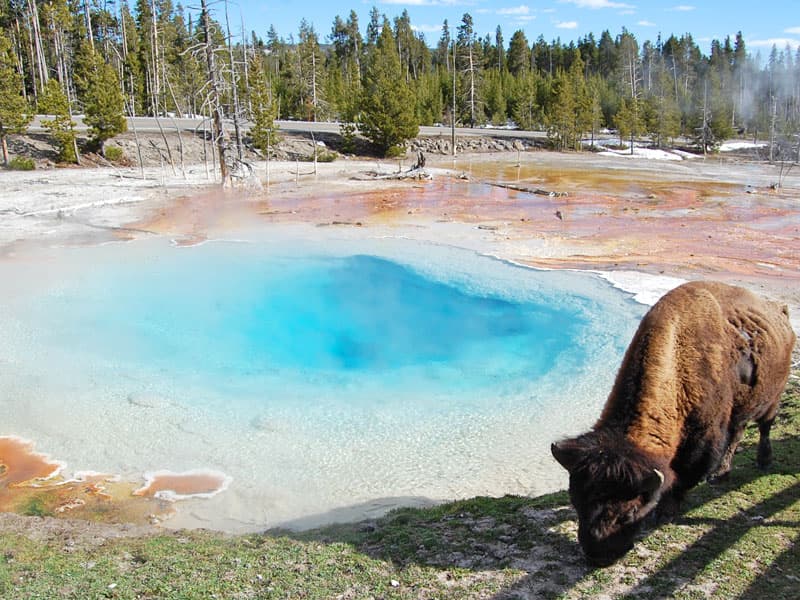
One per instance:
(613,488)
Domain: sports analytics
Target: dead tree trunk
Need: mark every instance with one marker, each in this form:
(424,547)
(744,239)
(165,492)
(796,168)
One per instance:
(234,88)
(216,105)
(36,35)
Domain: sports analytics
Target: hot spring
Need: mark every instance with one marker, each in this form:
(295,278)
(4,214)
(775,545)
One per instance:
(329,376)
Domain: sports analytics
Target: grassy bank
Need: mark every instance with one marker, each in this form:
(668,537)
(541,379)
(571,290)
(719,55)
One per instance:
(737,539)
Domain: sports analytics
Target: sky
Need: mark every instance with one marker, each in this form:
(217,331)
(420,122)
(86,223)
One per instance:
(763,23)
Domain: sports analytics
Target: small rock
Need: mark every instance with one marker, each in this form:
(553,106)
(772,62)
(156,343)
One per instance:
(395,583)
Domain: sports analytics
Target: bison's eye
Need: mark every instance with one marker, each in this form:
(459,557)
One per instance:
(631,515)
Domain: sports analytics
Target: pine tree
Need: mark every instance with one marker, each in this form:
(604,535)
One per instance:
(468,63)
(525,106)
(263,130)
(629,120)
(662,115)
(495,95)
(628,65)
(374,27)
(430,100)
(347,49)
(561,121)
(308,76)
(584,99)
(442,55)
(387,116)
(53,101)
(721,107)
(519,54)
(344,73)
(103,103)
(595,91)
(132,78)
(14,111)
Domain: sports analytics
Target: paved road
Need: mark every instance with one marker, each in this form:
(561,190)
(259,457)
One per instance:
(152,125)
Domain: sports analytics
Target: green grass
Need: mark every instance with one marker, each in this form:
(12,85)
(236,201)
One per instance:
(114,153)
(36,507)
(322,156)
(21,163)
(734,540)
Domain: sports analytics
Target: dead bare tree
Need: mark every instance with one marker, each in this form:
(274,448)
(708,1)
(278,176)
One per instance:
(787,157)
(246,59)
(136,138)
(166,144)
(36,41)
(234,87)
(218,131)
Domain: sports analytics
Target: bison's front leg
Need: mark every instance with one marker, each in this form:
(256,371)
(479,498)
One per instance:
(722,472)
(764,456)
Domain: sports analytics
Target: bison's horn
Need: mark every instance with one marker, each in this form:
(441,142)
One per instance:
(653,481)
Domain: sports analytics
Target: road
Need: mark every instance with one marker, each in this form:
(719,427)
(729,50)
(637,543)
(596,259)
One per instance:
(152,125)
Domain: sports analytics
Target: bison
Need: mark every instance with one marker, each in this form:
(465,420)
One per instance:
(705,360)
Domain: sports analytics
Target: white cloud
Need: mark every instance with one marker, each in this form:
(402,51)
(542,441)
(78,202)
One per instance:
(792,30)
(627,12)
(597,4)
(567,25)
(514,10)
(522,19)
(427,28)
(548,10)
(781,43)
(682,8)
(646,23)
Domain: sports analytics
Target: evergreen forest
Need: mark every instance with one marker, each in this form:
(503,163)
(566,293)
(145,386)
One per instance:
(108,60)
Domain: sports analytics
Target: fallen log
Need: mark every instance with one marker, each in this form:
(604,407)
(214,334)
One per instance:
(416,174)
(527,190)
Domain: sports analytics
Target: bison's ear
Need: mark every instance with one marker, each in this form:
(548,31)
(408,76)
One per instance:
(567,453)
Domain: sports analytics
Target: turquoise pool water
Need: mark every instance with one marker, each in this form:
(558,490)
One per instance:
(320,374)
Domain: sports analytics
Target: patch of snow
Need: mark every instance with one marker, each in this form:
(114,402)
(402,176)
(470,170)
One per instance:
(731,146)
(638,151)
(646,289)
(683,153)
(649,153)
(602,142)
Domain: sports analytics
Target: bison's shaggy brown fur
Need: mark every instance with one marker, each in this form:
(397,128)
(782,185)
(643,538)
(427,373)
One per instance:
(706,359)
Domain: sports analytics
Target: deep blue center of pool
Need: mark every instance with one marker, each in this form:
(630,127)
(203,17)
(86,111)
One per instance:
(232,313)
(363,312)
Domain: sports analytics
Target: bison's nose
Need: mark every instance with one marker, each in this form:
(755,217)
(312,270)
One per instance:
(603,555)
(601,560)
